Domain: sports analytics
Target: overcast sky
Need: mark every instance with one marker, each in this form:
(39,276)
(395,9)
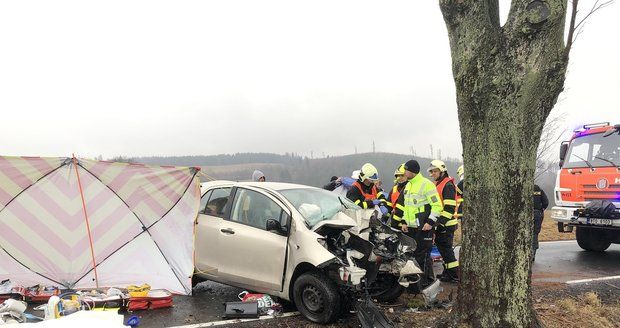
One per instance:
(209,77)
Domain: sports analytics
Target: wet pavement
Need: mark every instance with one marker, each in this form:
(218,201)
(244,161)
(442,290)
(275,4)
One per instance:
(562,261)
(556,262)
(206,305)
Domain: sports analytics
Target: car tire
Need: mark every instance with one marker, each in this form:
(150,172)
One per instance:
(317,297)
(390,291)
(592,240)
(196,280)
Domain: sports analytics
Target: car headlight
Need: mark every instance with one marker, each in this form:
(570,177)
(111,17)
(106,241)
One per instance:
(558,214)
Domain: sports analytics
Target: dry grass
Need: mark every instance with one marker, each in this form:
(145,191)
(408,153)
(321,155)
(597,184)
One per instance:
(587,310)
(549,231)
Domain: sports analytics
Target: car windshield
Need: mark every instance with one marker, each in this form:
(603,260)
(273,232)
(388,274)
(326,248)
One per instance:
(594,149)
(316,205)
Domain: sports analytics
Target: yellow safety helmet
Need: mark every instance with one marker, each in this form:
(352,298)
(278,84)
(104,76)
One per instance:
(369,172)
(460,170)
(400,170)
(438,164)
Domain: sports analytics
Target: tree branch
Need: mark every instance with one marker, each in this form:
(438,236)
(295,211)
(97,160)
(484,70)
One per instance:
(594,9)
(572,37)
(571,28)
(483,12)
(493,9)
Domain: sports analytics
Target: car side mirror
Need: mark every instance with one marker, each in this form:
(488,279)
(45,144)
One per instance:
(563,150)
(274,225)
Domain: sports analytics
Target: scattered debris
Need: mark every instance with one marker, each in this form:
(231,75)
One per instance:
(12,311)
(430,293)
(371,316)
(241,310)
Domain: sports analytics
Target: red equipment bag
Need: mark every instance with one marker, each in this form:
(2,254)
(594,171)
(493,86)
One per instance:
(156,299)
(41,294)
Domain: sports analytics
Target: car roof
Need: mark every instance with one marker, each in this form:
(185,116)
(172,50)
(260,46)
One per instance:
(277,186)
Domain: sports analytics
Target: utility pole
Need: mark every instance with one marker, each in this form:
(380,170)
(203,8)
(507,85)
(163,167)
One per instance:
(356,150)
(432,152)
(373,146)
(439,153)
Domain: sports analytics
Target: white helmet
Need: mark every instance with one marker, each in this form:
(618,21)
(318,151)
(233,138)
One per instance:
(355,174)
(369,172)
(438,164)
(460,171)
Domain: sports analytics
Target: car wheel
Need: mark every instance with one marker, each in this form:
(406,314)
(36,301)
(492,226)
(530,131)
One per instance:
(386,289)
(592,239)
(316,297)
(196,280)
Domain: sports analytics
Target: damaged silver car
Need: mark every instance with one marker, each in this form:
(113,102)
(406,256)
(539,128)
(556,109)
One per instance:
(302,244)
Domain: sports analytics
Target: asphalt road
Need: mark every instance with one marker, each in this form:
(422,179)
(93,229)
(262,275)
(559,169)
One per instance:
(205,305)
(556,262)
(563,261)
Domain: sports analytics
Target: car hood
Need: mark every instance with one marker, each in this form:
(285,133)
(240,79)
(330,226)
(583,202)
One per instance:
(338,223)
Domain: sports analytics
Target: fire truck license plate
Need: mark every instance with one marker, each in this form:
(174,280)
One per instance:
(600,221)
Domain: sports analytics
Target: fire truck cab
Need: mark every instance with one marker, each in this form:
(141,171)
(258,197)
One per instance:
(590,170)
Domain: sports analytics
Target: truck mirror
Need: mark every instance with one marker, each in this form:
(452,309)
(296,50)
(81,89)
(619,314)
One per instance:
(563,150)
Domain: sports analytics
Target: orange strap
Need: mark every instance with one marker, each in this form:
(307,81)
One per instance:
(371,196)
(90,238)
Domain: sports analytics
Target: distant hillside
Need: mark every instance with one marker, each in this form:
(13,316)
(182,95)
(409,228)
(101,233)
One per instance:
(314,172)
(292,168)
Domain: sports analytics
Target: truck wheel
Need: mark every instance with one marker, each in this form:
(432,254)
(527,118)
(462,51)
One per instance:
(316,297)
(592,239)
(386,289)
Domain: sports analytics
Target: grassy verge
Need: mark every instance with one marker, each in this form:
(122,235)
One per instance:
(585,310)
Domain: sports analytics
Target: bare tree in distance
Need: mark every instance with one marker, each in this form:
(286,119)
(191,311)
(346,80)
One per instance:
(546,155)
(122,159)
(508,79)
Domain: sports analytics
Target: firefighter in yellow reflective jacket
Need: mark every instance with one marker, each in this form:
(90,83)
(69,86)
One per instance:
(447,224)
(422,211)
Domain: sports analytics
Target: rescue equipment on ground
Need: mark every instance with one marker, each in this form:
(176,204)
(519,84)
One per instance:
(155,299)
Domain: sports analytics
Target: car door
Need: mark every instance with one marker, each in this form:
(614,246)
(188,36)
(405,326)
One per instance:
(255,258)
(214,206)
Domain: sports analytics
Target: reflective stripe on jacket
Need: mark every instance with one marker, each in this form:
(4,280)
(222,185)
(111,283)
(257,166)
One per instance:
(419,194)
(447,193)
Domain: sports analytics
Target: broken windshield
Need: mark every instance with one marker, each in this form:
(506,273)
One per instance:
(316,205)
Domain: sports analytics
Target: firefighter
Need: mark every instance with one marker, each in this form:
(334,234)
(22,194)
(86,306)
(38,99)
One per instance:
(447,223)
(395,201)
(421,213)
(459,192)
(364,193)
(540,205)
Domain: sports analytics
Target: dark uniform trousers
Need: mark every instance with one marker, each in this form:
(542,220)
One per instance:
(444,239)
(538,219)
(422,253)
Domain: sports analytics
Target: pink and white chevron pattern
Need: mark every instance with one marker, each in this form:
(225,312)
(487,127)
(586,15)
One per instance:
(18,173)
(43,229)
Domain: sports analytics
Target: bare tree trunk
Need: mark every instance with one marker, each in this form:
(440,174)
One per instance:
(507,81)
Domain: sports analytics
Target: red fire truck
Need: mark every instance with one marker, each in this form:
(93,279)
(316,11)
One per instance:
(590,171)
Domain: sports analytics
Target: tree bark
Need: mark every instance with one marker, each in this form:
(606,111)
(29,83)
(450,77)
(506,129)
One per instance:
(508,79)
